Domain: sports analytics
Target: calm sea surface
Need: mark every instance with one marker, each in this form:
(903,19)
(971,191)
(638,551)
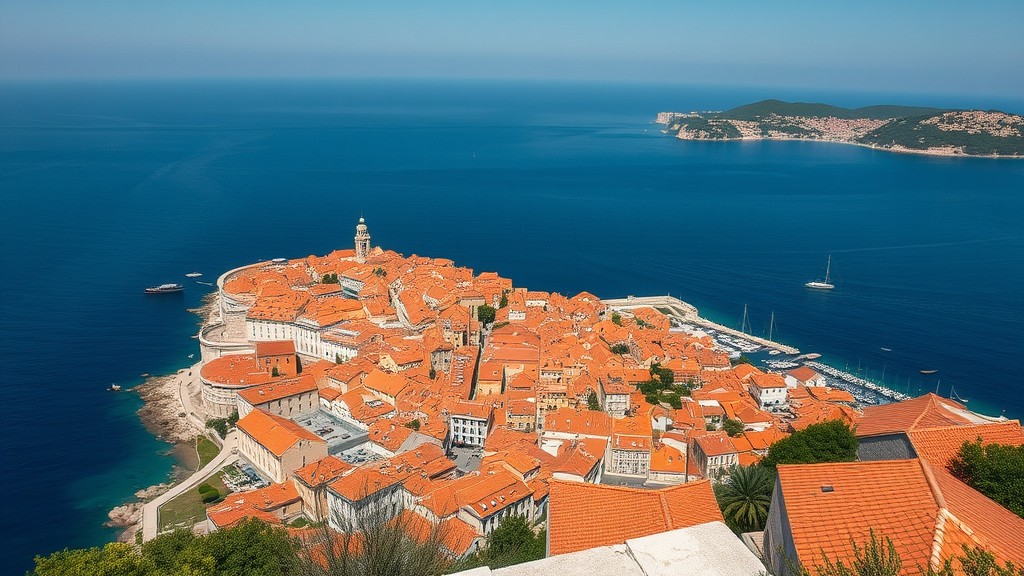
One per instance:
(108,188)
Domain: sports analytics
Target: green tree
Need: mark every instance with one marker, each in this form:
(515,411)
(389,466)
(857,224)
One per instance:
(620,349)
(415,424)
(485,314)
(616,319)
(978,562)
(433,373)
(512,542)
(873,559)
(740,360)
(732,427)
(878,557)
(995,470)
(673,399)
(251,548)
(114,559)
(219,425)
(592,401)
(222,425)
(663,375)
(504,299)
(745,497)
(275,372)
(831,441)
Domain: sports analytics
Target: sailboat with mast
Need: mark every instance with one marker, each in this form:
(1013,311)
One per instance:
(955,396)
(823,284)
(771,335)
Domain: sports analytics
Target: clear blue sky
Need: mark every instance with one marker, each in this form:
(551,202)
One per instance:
(917,46)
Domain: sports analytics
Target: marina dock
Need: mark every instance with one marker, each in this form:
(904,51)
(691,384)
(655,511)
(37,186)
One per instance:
(688,313)
(888,393)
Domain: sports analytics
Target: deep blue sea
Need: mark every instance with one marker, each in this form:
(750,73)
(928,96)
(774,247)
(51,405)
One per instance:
(110,187)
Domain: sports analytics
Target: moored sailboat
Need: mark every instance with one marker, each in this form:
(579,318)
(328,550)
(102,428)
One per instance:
(823,284)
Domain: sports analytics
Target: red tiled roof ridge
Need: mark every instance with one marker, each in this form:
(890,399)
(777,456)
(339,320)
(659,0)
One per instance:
(955,426)
(665,510)
(629,490)
(930,404)
(933,484)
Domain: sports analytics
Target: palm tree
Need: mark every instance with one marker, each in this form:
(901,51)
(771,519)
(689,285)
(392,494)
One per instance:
(746,496)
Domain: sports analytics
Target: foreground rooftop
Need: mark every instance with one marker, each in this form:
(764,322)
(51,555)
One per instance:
(709,549)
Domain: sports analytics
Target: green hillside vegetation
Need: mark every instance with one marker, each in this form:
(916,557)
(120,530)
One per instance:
(911,133)
(715,130)
(768,107)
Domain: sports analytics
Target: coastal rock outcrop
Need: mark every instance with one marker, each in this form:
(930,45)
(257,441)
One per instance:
(125,515)
(162,412)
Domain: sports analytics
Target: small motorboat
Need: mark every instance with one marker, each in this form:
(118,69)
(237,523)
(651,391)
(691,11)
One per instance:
(928,371)
(164,289)
(886,349)
(193,274)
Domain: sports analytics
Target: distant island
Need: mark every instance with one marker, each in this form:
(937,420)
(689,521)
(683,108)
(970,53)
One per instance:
(894,128)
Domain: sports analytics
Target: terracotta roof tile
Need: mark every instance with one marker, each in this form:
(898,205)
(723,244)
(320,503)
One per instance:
(253,504)
(278,391)
(322,471)
(941,445)
(928,411)
(830,505)
(275,433)
(583,516)
(275,348)
(916,505)
(993,527)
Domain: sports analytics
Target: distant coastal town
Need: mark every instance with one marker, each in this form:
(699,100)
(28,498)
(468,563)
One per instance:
(330,384)
(917,130)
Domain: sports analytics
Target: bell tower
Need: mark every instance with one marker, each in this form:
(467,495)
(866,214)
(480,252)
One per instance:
(362,241)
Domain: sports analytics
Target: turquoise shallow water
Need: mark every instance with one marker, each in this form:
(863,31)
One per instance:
(108,188)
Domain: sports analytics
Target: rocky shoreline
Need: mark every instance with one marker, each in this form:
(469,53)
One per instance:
(162,413)
(164,416)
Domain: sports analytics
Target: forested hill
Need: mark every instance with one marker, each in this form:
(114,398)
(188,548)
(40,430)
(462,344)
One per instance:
(896,128)
(766,108)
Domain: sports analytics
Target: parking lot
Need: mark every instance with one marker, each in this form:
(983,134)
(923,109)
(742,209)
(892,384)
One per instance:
(242,477)
(340,436)
(358,456)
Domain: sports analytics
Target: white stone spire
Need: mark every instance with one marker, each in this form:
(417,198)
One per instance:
(362,241)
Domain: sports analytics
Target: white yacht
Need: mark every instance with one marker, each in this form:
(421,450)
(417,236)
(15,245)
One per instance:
(823,284)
